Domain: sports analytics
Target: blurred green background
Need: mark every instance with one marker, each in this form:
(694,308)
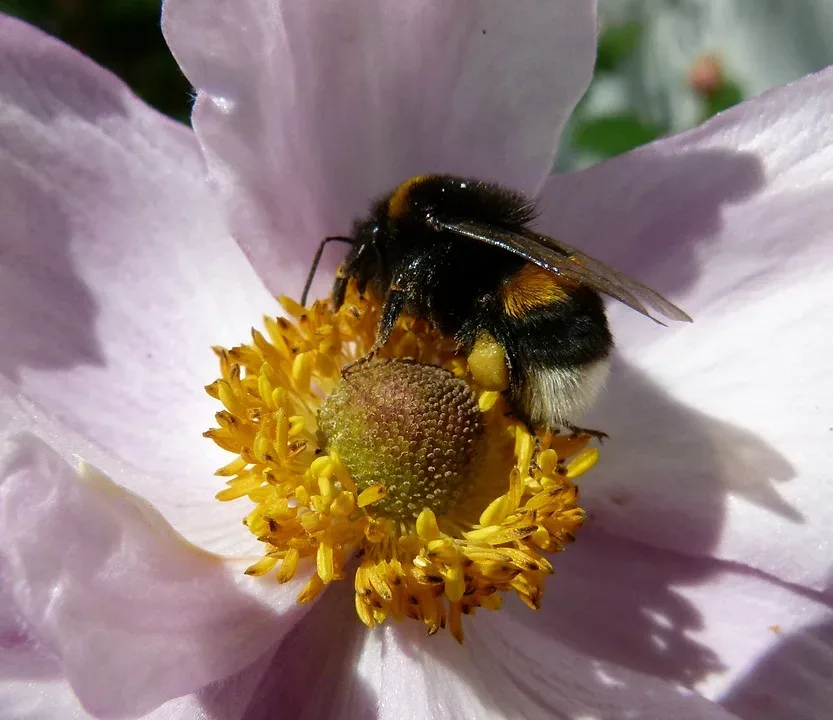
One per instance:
(644,87)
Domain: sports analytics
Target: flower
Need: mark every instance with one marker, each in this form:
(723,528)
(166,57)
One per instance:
(404,464)
(697,589)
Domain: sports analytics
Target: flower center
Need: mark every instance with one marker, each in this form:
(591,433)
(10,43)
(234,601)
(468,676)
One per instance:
(405,463)
(413,431)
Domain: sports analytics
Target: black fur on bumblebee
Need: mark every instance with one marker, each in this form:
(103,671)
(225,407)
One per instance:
(525,307)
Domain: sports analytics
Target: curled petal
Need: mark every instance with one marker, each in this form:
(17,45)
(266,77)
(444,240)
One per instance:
(134,613)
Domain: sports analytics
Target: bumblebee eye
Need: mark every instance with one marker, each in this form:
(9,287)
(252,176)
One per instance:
(432,222)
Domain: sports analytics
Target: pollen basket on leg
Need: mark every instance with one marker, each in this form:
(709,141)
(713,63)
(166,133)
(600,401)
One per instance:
(403,475)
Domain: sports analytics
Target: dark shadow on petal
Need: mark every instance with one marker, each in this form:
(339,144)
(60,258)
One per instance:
(668,468)
(596,650)
(677,200)
(47,313)
(613,599)
(312,675)
(795,680)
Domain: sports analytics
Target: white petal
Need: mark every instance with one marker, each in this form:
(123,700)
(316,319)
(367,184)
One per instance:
(307,111)
(721,431)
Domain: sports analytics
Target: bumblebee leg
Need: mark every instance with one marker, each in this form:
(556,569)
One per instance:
(576,430)
(339,287)
(393,306)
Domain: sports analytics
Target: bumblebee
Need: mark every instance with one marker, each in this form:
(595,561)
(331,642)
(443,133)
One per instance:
(525,308)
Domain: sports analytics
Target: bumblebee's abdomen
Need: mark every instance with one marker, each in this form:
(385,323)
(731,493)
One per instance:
(544,321)
(556,340)
(531,288)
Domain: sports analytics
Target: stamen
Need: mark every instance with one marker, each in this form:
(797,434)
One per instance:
(433,520)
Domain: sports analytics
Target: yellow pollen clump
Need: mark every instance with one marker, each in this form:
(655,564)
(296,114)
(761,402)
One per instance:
(433,551)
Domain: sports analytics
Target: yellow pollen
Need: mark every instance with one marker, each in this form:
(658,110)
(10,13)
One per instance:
(314,519)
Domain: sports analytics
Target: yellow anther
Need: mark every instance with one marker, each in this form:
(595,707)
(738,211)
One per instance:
(426,525)
(262,566)
(325,486)
(364,612)
(455,585)
(321,466)
(324,562)
(496,512)
(289,565)
(487,400)
(582,463)
(240,488)
(379,583)
(295,309)
(282,434)
(229,400)
(371,494)
(311,590)
(547,460)
(343,505)
(497,534)
(265,389)
(302,370)
(234,467)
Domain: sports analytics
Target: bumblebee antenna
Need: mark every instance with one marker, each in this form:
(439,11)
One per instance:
(317,259)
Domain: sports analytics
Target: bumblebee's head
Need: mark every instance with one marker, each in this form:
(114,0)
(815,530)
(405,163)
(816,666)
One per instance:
(364,263)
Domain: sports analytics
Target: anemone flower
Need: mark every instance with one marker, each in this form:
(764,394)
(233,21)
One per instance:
(699,587)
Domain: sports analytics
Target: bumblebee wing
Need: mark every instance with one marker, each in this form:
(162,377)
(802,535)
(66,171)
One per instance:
(569,263)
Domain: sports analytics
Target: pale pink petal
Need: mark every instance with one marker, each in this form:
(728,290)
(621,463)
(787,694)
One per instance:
(31,682)
(721,432)
(116,276)
(626,632)
(693,622)
(308,110)
(791,681)
(134,614)
(313,673)
(40,700)
(27,694)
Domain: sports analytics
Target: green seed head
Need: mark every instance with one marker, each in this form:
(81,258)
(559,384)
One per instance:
(416,429)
